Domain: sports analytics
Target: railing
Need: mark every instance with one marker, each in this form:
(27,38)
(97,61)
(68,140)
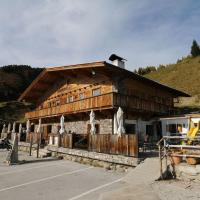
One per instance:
(102,143)
(177,146)
(112,144)
(137,103)
(102,101)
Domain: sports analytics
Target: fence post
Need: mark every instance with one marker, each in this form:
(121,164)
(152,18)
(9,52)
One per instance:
(31,144)
(160,158)
(165,153)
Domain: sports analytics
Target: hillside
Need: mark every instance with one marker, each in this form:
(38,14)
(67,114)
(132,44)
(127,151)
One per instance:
(13,111)
(184,75)
(14,79)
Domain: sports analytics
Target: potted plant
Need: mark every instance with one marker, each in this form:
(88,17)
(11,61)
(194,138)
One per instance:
(175,158)
(192,158)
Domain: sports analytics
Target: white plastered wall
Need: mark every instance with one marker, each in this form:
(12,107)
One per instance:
(140,126)
(183,121)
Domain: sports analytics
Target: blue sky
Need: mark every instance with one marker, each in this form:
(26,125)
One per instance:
(61,32)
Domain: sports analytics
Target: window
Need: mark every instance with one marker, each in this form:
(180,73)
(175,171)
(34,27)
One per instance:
(57,102)
(82,95)
(96,92)
(49,104)
(171,128)
(70,99)
(130,128)
(149,130)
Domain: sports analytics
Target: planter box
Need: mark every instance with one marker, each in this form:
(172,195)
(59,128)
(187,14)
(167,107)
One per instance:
(176,159)
(192,161)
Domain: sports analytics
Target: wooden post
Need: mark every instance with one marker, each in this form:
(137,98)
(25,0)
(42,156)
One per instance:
(31,144)
(38,145)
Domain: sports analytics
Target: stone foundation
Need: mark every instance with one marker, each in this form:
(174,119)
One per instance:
(116,159)
(107,161)
(24,146)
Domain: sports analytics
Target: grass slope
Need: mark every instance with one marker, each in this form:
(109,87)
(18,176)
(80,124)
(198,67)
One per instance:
(185,76)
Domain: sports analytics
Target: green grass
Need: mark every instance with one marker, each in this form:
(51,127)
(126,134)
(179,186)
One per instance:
(184,76)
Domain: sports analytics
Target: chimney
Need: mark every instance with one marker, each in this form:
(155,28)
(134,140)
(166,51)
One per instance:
(117,61)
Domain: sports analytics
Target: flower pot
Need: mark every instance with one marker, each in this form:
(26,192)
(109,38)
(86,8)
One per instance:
(192,161)
(176,159)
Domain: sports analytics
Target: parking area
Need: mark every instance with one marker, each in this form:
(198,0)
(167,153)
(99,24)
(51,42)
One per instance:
(55,179)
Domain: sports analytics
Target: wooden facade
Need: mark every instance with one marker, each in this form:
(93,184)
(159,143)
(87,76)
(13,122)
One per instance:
(75,90)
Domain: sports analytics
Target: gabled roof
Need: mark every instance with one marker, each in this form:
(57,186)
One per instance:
(48,76)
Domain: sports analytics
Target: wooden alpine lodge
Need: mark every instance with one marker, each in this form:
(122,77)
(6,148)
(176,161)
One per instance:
(73,91)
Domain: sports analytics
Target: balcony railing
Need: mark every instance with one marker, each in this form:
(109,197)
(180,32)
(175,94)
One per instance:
(108,100)
(98,102)
(137,103)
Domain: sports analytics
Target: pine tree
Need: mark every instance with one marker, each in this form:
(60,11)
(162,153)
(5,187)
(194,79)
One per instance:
(195,49)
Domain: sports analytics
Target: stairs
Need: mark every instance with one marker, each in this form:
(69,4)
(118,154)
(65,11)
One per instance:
(43,153)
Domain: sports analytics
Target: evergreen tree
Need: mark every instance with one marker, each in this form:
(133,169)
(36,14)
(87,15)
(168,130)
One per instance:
(195,49)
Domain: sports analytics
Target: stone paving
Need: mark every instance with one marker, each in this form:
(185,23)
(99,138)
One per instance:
(54,179)
(139,183)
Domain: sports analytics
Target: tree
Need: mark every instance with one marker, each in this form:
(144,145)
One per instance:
(195,49)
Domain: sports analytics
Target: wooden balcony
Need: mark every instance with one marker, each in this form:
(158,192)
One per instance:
(103,101)
(137,103)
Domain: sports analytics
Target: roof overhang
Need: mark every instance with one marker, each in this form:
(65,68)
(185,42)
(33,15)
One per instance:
(48,76)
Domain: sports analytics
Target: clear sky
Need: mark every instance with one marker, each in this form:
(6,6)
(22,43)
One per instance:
(61,32)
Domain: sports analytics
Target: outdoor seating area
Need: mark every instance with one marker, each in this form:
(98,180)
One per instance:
(126,145)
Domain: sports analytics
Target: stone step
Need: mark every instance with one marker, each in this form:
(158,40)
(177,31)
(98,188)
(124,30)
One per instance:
(43,153)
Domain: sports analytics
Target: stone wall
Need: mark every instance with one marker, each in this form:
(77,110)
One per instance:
(108,161)
(80,127)
(117,159)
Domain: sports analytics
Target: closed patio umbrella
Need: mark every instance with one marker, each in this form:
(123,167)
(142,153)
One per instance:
(3,129)
(92,122)
(120,121)
(115,124)
(28,127)
(14,127)
(20,129)
(9,128)
(39,126)
(62,125)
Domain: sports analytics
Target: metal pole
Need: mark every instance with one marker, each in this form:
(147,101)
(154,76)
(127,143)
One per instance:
(160,158)
(165,153)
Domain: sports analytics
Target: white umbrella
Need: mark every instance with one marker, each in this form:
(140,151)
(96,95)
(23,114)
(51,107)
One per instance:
(9,128)
(92,122)
(62,125)
(39,126)
(28,126)
(3,129)
(120,122)
(14,126)
(115,124)
(20,128)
